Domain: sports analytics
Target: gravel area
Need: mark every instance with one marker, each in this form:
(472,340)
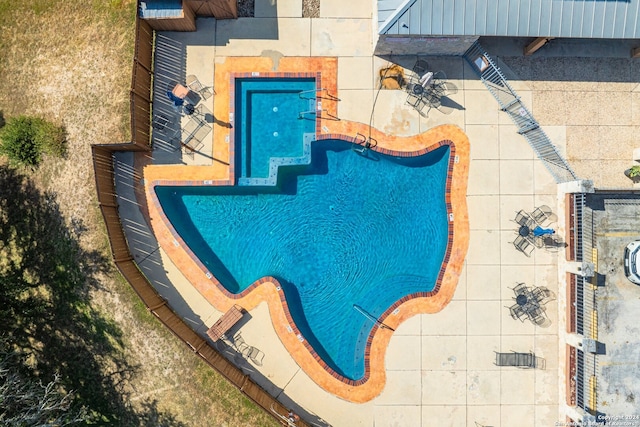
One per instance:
(310,8)
(246,8)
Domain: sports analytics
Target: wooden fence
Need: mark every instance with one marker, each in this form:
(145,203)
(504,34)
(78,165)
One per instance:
(141,95)
(103,163)
(105,184)
(220,9)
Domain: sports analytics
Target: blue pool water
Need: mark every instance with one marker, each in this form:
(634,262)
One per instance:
(346,231)
(268,116)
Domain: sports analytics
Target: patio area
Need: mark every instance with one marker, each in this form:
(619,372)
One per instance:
(438,366)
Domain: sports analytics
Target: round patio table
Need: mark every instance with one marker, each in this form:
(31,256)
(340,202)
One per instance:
(521,299)
(524,231)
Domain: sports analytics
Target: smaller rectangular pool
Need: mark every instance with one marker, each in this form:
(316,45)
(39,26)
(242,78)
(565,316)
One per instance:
(272,115)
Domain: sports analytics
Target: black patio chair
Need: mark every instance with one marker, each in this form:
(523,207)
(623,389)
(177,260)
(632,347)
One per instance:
(420,67)
(194,84)
(524,219)
(523,245)
(439,83)
(520,288)
(518,312)
(539,318)
(542,295)
(543,215)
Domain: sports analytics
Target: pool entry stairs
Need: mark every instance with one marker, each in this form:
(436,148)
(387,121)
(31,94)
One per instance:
(313,113)
(276,162)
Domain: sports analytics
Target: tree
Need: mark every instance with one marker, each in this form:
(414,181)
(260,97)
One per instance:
(27,403)
(25,139)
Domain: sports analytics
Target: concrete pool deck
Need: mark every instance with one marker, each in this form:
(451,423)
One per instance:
(268,289)
(439,367)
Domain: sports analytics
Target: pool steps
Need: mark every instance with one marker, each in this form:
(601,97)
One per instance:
(276,162)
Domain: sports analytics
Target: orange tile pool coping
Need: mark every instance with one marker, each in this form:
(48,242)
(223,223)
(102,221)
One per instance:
(221,172)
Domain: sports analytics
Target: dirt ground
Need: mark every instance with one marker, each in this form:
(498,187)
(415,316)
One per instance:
(310,8)
(70,62)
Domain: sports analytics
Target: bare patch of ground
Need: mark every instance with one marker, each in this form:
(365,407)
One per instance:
(71,62)
(311,8)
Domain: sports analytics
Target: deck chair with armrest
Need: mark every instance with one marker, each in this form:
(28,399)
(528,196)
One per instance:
(176,91)
(439,83)
(420,67)
(418,103)
(194,84)
(523,218)
(543,215)
(253,354)
(539,318)
(520,288)
(518,312)
(543,295)
(523,245)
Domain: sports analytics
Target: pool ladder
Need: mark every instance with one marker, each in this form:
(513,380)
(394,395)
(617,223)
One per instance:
(303,114)
(380,324)
(315,94)
(317,106)
(362,145)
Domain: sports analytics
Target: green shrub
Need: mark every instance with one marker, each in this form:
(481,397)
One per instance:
(24,140)
(634,171)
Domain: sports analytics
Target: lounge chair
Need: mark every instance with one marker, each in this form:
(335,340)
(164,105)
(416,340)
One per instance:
(543,215)
(194,84)
(523,245)
(519,360)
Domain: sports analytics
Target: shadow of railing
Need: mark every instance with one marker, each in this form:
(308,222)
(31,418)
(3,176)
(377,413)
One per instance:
(170,66)
(105,177)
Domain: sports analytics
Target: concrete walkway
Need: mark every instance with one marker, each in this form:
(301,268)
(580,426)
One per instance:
(440,367)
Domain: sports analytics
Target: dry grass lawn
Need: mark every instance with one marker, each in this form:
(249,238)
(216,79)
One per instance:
(70,62)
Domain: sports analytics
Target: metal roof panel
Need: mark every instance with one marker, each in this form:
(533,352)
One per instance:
(458,17)
(533,18)
(535,8)
(599,20)
(436,17)
(447,17)
(513,10)
(481,17)
(565,20)
(494,16)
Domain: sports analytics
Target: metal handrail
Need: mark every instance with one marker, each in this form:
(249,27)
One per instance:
(510,103)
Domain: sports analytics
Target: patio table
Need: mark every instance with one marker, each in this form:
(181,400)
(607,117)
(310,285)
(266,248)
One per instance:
(522,299)
(225,322)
